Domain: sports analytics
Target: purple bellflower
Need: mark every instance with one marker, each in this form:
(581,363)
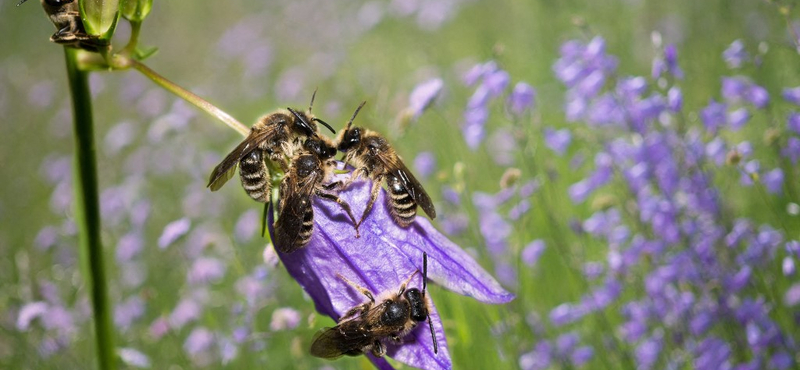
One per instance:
(384,257)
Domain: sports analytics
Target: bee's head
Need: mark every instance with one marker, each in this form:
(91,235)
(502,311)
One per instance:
(351,136)
(417,302)
(320,148)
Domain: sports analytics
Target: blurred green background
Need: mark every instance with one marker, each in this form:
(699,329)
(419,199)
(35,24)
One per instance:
(249,58)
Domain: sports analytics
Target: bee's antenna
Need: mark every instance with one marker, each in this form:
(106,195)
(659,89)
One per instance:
(302,122)
(314,95)
(350,123)
(324,124)
(20,3)
(424,286)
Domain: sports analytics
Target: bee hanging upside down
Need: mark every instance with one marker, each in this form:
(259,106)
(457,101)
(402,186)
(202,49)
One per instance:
(363,328)
(308,174)
(66,16)
(373,157)
(274,137)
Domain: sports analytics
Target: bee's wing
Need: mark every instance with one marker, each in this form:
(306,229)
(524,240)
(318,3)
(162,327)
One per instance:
(397,168)
(347,338)
(295,199)
(225,170)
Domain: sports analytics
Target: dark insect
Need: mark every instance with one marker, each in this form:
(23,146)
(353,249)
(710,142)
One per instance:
(373,157)
(66,16)
(275,137)
(364,327)
(308,174)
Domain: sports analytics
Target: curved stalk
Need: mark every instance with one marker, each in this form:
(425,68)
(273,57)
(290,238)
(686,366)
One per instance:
(190,97)
(87,209)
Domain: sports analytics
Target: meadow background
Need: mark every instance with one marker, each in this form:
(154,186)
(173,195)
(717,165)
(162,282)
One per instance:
(189,282)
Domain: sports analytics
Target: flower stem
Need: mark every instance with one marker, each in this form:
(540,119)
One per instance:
(190,97)
(87,208)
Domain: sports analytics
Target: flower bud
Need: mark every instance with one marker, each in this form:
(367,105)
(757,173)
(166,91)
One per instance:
(136,10)
(100,17)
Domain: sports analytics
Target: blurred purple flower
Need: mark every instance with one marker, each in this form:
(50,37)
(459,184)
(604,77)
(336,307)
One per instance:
(159,327)
(538,359)
(186,311)
(735,55)
(531,253)
(773,181)
(738,118)
(521,99)
(198,341)
(647,352)
(792,95)
(173,231)
(394,254)
(792,149)
(581,355)
(423,95)
(134,358)
(477,72)
(473,127)
(557,141)
(667,63)
(284,319)
(749,170)
(792,296)
(503,147)
(247,226)
(28,313)
(675,99)
(128,311)
(425,164)
(788,266)
(781,361)
(129,246)
(714,116)
(793,123)
(206,270)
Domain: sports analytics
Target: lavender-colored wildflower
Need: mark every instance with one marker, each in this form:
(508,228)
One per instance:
(788,266)
(186,311)
(173,231)
(557,141)
(206,270)
(735,55)
(30,312)
(394,254)
(714,116)
(129,246)
(773,181)
(134,358)
(521,99)
(792,95)
(198,341)
(793,123)
(738,118)
(425,164)
(531,253)
(792,149)
(423,95)
(127,312)
(674,99)
(247,225)
(284,319)
(792,296)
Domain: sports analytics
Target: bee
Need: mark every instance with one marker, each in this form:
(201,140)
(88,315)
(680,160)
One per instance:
(373,157)
(308,174)
(66,16)
(364,327)
(273,137)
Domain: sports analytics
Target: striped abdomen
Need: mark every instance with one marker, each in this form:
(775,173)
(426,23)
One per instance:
(255,176)
(295,225)
(402,206)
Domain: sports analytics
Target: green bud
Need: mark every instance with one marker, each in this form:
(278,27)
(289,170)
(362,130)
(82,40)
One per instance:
(100,17)
(136,10)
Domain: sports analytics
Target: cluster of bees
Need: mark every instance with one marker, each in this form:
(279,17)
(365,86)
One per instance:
(291,140)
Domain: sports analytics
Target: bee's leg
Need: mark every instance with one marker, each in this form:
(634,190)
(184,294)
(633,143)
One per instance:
(359,288)
(376,185)
(362,308)
(355,175)
(344,206)
(403,286)
(378,349)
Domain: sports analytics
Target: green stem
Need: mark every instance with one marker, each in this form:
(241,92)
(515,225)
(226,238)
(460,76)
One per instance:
(190,97)
(87,208)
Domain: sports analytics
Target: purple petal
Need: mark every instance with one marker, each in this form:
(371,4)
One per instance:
(532,252)
(423,95)
(380,260)
(173,231)
(134,358)
(248,224)
(773,181)
(557,141)
(28,313)
(206,270)
(792,295)
(425,164)
(735,55)
(129,246)
(198,341)
(521,98)
(792,95)
(793,123)
(284,319)
(675,99)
